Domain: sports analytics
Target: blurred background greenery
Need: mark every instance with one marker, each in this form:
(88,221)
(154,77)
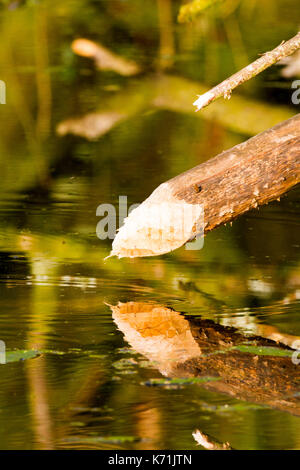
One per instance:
(75,135)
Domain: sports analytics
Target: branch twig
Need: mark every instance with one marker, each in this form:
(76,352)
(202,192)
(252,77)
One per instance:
(269,58)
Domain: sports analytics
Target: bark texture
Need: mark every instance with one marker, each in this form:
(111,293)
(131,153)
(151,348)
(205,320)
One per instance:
(247,176)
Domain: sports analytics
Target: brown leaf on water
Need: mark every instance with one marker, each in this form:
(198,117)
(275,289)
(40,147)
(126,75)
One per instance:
(104,58)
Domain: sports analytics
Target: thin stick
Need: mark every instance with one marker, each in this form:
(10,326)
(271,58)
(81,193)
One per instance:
(269,58)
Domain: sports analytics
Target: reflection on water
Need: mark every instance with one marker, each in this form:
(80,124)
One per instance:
(75,136)
(249,368)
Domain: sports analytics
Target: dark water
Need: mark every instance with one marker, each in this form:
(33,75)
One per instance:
(90,385)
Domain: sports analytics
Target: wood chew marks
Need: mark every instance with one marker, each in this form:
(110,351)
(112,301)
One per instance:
(244,177)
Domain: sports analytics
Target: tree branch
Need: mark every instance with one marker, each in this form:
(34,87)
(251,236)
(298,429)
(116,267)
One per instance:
(269,58)
(244,177)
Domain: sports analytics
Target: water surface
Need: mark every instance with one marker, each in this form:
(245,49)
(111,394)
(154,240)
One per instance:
(91,382)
